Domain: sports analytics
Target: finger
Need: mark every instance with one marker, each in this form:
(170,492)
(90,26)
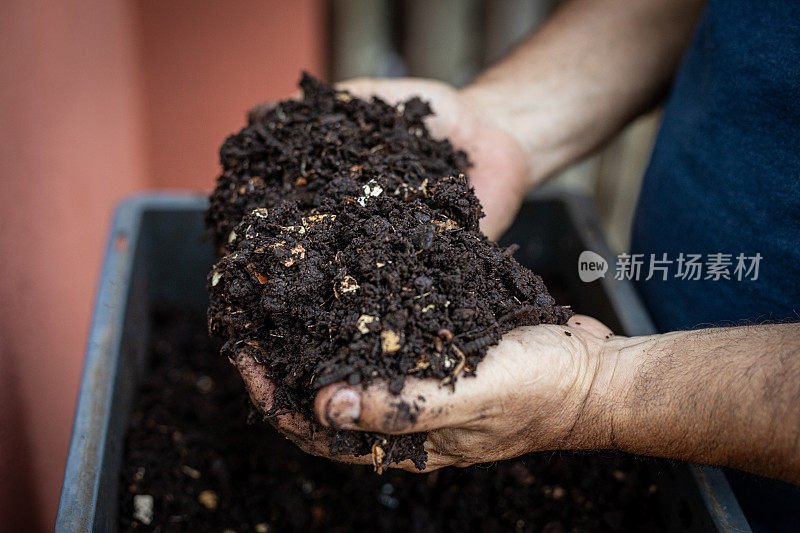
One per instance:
(311,438)
(439,95)
(256,380)
(435,461)
(308,436)
(423,405)
(431,465)
(293,426)
(590,325)
(258,112)
(393,90)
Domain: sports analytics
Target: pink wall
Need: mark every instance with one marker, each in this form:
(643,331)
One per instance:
(203,68)
(99,99)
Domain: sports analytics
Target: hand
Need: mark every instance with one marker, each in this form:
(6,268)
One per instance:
(535,390)
(499,173)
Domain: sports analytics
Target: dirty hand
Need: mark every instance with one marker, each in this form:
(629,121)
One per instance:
(499,173)
(536,390)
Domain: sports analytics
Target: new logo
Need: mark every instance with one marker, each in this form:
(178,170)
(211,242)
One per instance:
(591,266)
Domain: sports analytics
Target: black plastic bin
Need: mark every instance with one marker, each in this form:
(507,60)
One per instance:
(157,253)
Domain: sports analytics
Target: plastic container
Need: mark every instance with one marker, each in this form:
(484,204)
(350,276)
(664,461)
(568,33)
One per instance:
(157,252)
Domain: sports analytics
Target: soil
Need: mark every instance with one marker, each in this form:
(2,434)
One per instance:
(190,448)
(352,252)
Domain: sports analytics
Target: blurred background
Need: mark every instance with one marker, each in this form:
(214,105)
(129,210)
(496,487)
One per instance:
(101,99)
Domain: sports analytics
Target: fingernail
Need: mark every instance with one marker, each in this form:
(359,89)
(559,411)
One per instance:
(343,408)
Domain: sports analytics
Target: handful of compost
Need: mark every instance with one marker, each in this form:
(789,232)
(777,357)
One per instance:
(351,252)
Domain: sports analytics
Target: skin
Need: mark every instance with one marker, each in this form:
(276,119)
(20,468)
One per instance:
(723,396)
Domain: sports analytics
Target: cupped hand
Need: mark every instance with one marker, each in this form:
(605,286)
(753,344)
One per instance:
(499,173)
(533,391)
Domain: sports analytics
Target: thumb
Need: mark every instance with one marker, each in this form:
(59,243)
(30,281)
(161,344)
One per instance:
(423,405)
(590,325)
(255,378)
(441,97)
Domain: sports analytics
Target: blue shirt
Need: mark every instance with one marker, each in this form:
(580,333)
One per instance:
(725,172)
(724,177)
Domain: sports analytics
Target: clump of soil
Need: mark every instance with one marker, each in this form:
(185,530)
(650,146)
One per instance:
(329,145)
(352,252)
(190,453)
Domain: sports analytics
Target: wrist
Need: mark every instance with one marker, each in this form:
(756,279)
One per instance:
(607,418)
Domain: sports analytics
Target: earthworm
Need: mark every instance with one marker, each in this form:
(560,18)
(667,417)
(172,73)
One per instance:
(451,380)
(481,342)
(461,363)
(516,313)
(445,334)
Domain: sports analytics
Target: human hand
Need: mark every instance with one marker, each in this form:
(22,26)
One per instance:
(536,390)
(499,173)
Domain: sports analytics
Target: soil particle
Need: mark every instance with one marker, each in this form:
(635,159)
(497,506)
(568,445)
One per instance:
(351,251)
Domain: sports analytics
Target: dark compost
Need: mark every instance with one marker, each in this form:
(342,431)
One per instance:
(351,251)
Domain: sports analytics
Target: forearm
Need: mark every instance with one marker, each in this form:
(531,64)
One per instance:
(723,396)
(592,68)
